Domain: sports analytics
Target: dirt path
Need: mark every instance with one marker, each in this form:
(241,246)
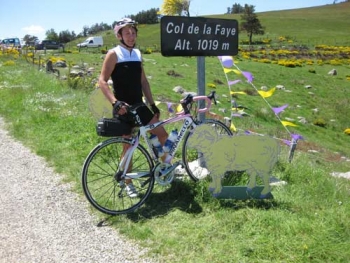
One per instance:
(42,220)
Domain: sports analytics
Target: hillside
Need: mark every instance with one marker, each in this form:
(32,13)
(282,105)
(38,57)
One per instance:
(328,24)
(293,67)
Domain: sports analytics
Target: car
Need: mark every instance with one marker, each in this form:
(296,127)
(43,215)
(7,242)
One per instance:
(48,44)
(11,42)
(92,42)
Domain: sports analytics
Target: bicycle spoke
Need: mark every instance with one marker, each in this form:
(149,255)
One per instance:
(107,192)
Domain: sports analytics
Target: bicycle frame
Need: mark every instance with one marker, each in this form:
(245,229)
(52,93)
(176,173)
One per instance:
(189,122)
(115,163)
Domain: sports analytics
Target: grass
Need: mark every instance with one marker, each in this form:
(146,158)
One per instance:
(307,221)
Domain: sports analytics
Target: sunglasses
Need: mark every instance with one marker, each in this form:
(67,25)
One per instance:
(120,23)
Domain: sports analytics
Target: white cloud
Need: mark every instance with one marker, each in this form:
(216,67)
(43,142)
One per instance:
(34,30)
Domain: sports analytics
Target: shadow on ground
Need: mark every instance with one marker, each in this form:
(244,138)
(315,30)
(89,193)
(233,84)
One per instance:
(180,195)
(191,197)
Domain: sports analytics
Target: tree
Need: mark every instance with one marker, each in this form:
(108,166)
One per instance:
(66,36)
(176,7)
(250,22)
(237,9)
(29,39)
(145,17)
(85,31)
(51,35)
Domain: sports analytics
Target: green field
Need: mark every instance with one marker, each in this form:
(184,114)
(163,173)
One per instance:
(308,219)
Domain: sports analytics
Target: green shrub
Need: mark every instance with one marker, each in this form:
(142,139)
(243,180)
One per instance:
(211,85)
(320,122)
(148,51)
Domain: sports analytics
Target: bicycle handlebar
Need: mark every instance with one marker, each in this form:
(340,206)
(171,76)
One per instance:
(190,98)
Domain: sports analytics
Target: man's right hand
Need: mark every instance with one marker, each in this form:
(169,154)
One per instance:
(155,110)
(117,106)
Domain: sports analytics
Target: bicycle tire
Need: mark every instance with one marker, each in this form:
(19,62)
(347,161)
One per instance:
(192,159)
(102,187)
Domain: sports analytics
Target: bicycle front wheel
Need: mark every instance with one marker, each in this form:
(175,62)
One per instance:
(192,159)
(103,185)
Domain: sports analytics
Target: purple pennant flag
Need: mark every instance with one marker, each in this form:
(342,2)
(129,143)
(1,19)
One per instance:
(286,142)
(248,76)
(233,82)
(279,109)
(170,109)
(297,137)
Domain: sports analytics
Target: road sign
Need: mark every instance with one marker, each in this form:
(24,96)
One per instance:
(198,36)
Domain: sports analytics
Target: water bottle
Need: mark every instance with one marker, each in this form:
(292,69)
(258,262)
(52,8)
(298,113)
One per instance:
(170,141)
(156,144)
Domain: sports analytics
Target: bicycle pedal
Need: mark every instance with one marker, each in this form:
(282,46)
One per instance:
(170,169)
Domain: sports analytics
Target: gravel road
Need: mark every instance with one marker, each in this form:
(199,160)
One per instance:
(42,220)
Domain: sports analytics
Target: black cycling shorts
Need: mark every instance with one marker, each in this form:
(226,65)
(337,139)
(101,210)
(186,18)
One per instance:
(138,115)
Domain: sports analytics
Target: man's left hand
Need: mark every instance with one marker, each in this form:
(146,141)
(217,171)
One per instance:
(155,109)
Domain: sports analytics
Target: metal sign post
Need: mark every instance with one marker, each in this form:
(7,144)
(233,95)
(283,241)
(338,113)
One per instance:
(201,84)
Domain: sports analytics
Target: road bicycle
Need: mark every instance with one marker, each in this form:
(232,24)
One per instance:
(108,165)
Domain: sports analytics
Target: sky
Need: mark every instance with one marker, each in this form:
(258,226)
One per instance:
(35,17)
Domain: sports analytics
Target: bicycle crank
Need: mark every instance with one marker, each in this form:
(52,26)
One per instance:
(164,173)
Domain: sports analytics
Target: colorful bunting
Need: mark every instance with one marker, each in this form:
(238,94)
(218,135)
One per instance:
(227,61)
(238,92)
(266,94)
(288,143)
(279,109)
(288,123)
(169,106)
(227,64)
(248,76)
(233,82)
(179,108)
(233,127)
(297,137)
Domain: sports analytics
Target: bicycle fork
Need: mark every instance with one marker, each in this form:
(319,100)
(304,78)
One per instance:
(122,172)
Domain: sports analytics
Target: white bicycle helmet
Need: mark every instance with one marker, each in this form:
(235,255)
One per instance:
(124,22)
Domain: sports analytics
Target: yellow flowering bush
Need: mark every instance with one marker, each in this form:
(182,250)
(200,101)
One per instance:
(9,63)
(264,60)
(335,62)
(292,56)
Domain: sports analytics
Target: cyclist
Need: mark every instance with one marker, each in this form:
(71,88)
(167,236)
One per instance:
(123,64)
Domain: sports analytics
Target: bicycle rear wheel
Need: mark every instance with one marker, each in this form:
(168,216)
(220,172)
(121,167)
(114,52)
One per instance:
(192,159)
(102,185)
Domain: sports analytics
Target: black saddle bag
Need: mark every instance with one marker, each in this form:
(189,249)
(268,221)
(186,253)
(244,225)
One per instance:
(112,127)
